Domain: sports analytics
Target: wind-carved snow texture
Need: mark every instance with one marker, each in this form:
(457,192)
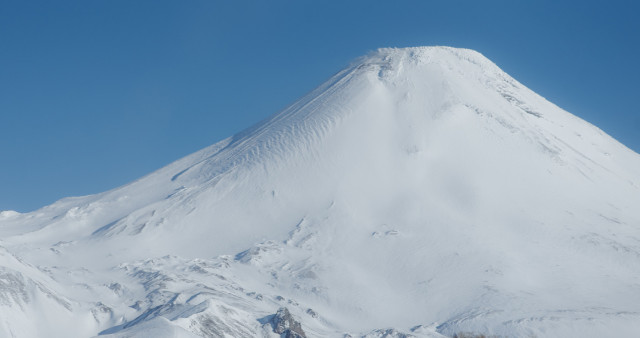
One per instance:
(419,192)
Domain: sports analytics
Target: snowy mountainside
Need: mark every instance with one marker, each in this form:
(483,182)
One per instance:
(420,191)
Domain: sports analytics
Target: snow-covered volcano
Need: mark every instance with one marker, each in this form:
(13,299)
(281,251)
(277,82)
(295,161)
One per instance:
(420,191)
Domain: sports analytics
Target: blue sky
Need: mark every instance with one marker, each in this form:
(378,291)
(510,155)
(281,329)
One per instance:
(94,94)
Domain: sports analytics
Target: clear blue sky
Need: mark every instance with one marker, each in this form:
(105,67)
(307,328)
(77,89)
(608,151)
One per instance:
(96,93)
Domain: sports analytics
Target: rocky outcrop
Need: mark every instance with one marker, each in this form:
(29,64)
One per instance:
(284,324)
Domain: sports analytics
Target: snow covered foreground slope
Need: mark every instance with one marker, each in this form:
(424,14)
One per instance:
(420,191)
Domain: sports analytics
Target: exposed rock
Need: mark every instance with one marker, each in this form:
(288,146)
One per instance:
(387,333)
(285,325)
(471,335)
(312,313)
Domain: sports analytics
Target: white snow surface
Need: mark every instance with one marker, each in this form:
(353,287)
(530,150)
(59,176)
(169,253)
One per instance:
(420,192)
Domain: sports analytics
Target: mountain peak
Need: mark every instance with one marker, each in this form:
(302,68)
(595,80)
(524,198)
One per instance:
(427,52)
(427,55)
(418,190)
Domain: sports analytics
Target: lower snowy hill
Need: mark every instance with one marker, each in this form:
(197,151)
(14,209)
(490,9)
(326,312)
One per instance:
(419,192)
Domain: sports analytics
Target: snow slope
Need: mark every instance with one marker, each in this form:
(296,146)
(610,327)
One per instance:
(420,191)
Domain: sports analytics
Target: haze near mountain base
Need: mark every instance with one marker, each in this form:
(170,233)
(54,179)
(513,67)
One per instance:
(419,192)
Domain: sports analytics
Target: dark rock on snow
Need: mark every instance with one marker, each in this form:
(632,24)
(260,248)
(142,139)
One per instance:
(285,325)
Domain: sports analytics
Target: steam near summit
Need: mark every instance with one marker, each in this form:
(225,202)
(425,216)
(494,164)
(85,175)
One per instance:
(419,191)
